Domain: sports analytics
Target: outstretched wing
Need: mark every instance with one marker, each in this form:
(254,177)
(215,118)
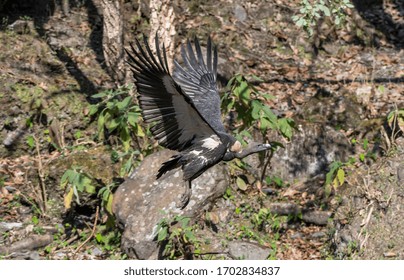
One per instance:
(177,123)
(198,80)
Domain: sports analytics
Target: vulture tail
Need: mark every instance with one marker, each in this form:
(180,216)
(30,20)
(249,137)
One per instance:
(173,163)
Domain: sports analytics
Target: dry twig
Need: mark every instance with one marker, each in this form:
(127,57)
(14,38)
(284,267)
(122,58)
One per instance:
(92,233)
(41,176)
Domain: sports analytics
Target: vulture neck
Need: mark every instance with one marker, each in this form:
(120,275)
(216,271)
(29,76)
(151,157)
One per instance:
(232,155)
(253,148)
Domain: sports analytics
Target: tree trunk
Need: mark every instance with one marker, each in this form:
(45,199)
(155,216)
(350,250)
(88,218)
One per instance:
(112,41)
(162,23)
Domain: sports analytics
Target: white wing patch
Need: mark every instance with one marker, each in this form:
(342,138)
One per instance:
(211,142)
(196,152)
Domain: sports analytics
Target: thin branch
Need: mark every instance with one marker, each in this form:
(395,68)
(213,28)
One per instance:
(92,232)
(266,165)
(41,175)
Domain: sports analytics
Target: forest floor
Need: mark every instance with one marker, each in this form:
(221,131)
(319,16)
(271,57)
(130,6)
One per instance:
(51,65)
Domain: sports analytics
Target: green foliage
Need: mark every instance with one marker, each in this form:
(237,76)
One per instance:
(274,180)
(252,112)
(118,115)
(109,239)
(395,120)
(311,11)
(336,175)
(178,237)
(264,217)
(75,182)
(228,195)
(30,141)
(106,195)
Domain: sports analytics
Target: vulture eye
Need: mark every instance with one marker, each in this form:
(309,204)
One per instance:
(236,147)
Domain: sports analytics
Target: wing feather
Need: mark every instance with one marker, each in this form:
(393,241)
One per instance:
(198,80)
(175,120)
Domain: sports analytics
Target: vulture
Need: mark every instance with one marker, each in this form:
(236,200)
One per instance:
(183,109)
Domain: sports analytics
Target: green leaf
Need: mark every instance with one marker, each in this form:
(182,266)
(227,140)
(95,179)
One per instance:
(108,206)
(285,127)
(330,174)
(245,93)
(365,144)
(132,118)
(341,176)
(325,10)
(89,188)
(35,220)
(100,95)
(93,109)
(185,222)
(241,184)
(256,109)
(31,141)
(268,96)
(124,103)
(301,22)
(270,115)
(162,235)
(113,124)
(139,131)
(100,126)
(381,88)
(189,235)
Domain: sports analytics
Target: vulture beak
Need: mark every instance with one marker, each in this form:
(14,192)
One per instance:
(259,147)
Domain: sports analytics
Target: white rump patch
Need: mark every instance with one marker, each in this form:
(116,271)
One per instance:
(211,142)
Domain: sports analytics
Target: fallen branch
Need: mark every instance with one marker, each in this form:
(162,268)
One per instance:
(36,241)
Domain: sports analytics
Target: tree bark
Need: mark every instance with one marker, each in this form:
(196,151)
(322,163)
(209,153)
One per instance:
(162,18)
(113,40)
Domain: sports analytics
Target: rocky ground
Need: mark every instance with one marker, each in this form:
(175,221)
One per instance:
(339,87)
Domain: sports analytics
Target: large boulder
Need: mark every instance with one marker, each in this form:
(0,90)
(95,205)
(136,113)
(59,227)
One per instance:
(142,201)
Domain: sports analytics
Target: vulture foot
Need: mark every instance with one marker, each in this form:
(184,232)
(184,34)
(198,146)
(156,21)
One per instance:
(186,196)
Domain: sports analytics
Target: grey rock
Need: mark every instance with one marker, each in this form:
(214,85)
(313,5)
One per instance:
(318,235)
(319,218)
(248,251)
(21,26)
(240,13)
(34,255)
(142,201)
(284,209)
(60,256)
(96,252)
(297,235)
(313,148)
(4,226)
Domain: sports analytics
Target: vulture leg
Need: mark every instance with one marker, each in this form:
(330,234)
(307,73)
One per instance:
(186,196)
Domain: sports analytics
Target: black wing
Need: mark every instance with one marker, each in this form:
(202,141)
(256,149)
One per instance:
(198,80)
(176,121)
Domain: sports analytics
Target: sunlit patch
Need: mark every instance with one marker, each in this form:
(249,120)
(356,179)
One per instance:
(236,147)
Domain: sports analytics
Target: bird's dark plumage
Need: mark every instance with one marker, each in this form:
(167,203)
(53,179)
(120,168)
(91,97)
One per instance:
(184,109)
